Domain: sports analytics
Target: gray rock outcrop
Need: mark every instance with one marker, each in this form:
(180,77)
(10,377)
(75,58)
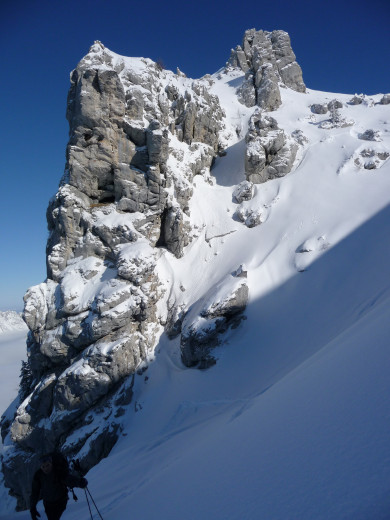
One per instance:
(204,324)
(270,153)
(267,60)
(318,108)
(334,104)
(369,159)
(370,135)
(94,322)
(244,191)
(356,100)
(251,217)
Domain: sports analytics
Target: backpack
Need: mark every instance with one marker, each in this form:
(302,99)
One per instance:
(62,470)
(60,465)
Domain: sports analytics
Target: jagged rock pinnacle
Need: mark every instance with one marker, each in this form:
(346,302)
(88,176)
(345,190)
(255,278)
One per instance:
(267,60)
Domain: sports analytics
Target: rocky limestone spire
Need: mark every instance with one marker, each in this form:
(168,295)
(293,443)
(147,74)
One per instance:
(268,61)
(94,322)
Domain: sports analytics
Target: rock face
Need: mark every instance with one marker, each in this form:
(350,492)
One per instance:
(93,322)
(267,60)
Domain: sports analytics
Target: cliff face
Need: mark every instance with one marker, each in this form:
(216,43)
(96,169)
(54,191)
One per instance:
(138,137)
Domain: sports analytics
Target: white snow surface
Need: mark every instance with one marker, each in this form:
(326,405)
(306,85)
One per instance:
(12,353)
(293,420)
(11,321)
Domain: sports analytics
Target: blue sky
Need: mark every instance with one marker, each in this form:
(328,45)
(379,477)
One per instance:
(342,46)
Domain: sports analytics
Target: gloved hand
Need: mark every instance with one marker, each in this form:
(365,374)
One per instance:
(83,482)
(34,513)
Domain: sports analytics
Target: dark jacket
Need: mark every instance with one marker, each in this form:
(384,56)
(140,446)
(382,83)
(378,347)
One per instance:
(53,487)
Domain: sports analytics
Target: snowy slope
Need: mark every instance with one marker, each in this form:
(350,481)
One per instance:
(13,335)
(293,421)
(12,352)
(11,321)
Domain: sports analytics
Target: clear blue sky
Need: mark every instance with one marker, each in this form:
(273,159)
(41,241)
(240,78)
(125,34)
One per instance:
(342,46)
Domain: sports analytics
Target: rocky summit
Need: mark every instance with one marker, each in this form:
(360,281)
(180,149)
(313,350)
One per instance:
(268,61)
(140,137)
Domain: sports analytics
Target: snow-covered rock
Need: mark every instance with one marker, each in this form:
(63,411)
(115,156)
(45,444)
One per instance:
(317,108)
(370,135)
(244,191)
(356,99)
(250,216)
(269,153)
(220,309)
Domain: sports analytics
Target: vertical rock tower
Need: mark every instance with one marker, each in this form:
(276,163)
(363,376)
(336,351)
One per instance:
(267,60)
(94,321)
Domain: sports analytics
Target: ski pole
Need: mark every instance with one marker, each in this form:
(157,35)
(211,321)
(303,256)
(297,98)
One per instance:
(93,501)
(89,507)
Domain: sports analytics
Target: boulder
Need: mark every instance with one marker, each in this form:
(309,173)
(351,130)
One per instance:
(220,309)
(318,108)
(370,135)
(334,104)
(251,217)
(243,191)
(356,100)
(270,153)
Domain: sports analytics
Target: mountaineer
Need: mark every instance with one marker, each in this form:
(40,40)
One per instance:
(51,483)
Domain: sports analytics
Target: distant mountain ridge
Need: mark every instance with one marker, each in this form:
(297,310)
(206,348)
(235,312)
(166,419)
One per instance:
(11,321)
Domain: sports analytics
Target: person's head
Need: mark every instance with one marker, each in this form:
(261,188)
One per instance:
(46,464)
